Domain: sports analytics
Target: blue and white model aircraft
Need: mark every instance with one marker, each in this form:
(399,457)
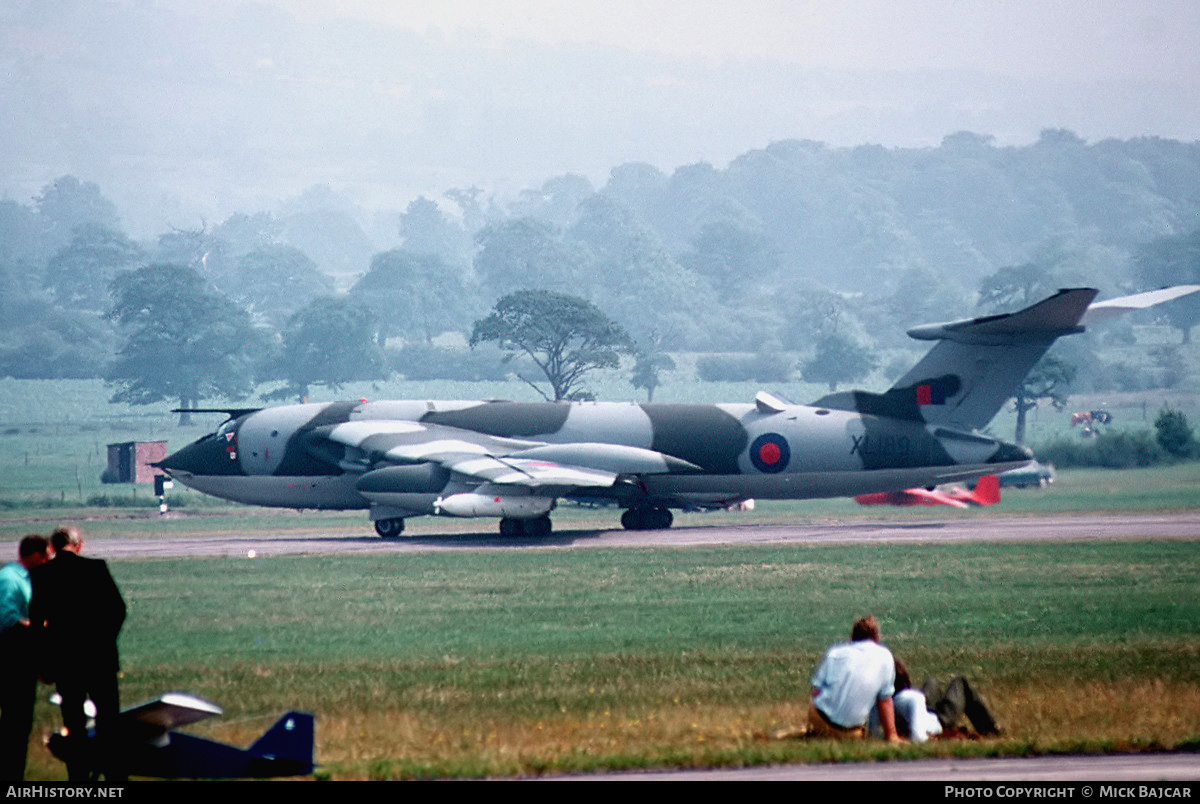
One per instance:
(148,745)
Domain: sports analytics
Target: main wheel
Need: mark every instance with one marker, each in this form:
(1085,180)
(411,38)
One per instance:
(648,518)
(538,527)
(512,527)
(660,518)
(389,528)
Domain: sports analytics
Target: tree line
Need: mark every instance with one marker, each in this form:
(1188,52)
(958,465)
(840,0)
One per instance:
(795,260)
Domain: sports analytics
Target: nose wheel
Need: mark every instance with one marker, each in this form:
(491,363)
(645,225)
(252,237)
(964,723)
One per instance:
(389,528)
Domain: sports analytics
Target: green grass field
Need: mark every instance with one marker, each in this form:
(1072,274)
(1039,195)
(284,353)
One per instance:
(497,662)
(493,662)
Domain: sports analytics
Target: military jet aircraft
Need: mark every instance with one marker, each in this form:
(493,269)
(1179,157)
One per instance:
(515,460)
(148,746)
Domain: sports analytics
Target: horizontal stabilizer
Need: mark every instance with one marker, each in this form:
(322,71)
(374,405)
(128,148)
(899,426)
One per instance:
(1102,311)
(1058,315)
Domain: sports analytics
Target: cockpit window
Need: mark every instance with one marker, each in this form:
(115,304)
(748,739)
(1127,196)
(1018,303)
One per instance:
(221,433)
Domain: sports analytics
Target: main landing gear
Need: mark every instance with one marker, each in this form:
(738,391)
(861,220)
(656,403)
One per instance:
(389,528)
(526,527)
(647,518)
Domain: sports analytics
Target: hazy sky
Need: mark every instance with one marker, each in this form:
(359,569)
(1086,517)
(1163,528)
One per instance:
(179,108)
(1026,38)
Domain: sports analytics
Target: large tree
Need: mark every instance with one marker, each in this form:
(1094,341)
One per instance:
(633,273)
(567,337)
(1050,379)
(527,252)
(1015,286)
(184,341)
(425,229)
(838,359)
(414,295)
(647,367)
(80,273)
(261,273)
(47,342)
(66,204)
(327,342)
(732,257)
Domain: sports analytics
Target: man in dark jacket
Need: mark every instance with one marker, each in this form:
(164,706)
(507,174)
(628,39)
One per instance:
(79,610)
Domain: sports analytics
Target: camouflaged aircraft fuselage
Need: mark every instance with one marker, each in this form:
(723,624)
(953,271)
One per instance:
(339,455)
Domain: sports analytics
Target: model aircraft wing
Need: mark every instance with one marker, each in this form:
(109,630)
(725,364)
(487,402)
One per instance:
(170,710)
(497,460)
(907,497)
(936,497)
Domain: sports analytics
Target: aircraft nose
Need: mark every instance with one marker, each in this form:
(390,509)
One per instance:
(211,455)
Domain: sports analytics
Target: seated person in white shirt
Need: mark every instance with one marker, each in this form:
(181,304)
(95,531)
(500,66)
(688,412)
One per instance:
(854,679)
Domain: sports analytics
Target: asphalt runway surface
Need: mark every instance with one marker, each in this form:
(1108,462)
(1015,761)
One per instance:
(992,529)
(1129,768)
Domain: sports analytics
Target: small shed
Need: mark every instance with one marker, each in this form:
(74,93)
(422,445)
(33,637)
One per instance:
(128,462)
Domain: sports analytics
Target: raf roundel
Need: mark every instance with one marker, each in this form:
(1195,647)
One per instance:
(770,453)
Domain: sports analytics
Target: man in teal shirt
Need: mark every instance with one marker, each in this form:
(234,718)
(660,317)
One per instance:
(18,667)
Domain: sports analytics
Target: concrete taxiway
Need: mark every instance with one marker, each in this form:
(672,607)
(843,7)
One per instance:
(1099,527)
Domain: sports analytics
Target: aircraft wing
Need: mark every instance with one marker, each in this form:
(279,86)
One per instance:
(497,460)
(509,471)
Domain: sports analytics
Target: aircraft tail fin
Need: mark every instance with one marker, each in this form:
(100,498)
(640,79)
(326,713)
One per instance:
(975,366)
(987,490)
(289,742)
